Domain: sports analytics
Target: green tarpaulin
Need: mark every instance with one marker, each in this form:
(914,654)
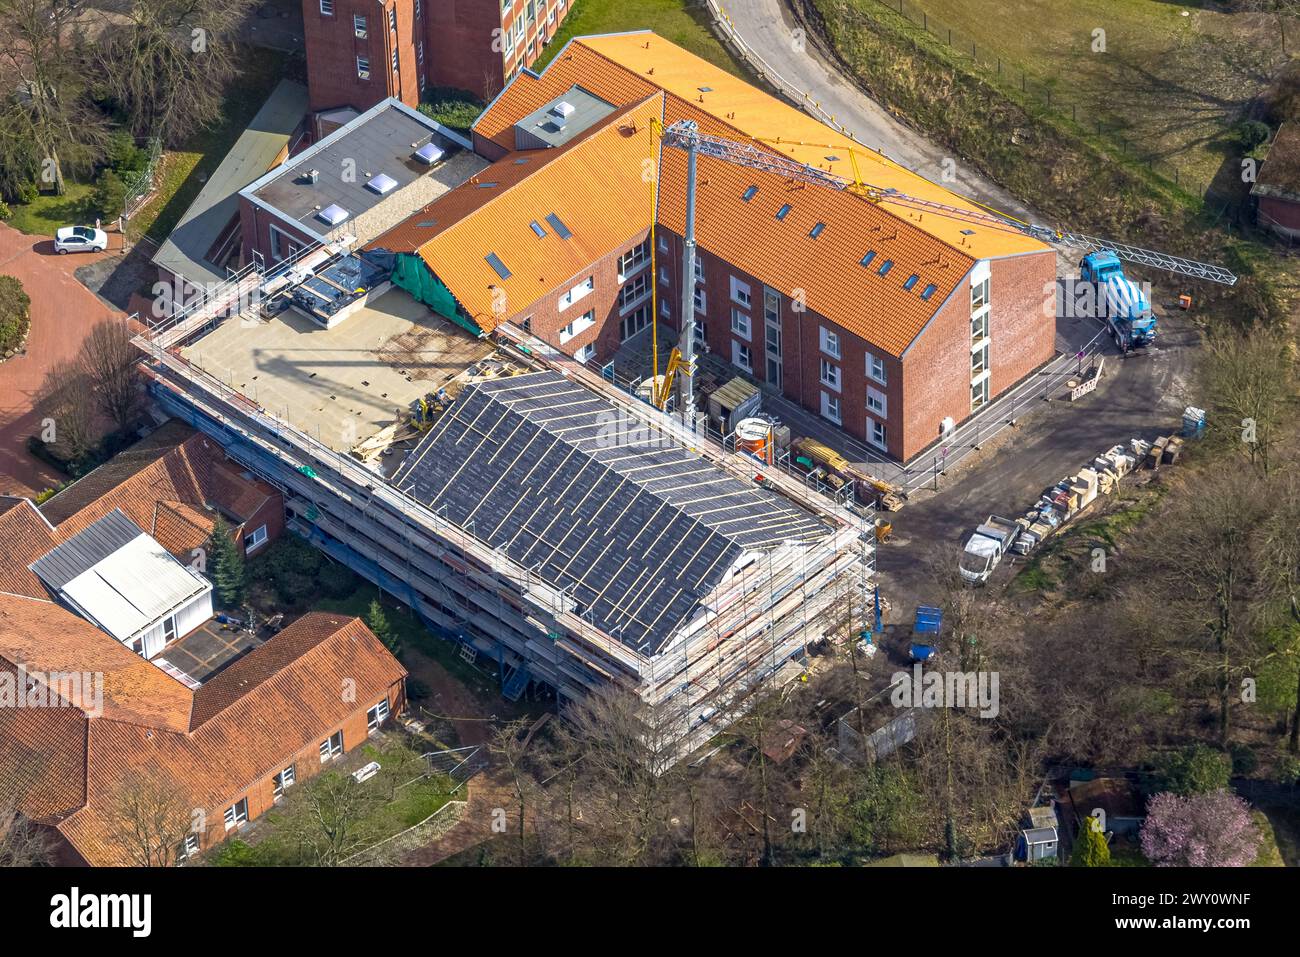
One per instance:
(410,273)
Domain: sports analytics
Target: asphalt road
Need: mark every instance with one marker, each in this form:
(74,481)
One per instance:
(1141,396)
(769,26)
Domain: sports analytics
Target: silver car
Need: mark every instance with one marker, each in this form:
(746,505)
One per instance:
(80,239)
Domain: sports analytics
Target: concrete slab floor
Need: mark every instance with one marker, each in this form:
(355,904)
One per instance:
(343,384)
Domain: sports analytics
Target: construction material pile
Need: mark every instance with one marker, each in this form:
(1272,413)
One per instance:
(1064,501)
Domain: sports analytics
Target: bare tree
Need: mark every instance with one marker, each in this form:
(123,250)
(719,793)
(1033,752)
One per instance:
(149,821)
(1282,563)
(168,65)
(1250,380)
(23,843)
(47,121)
(509,744)
(328,816)
(66,404)
(111,365)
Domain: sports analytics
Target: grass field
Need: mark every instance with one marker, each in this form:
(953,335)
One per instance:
(683,22)
(1172,79)
(49,212)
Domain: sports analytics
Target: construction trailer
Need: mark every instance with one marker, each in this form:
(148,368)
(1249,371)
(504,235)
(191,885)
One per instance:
(648,559)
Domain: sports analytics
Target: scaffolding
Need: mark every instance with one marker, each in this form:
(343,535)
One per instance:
(749,626)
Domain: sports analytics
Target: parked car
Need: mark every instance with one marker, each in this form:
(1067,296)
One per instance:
(80,239)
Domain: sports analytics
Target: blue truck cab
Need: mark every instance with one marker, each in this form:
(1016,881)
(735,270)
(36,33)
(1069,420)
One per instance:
(1120,301)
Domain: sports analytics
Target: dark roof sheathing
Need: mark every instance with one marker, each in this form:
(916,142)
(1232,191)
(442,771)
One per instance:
(635,527)
(86,549)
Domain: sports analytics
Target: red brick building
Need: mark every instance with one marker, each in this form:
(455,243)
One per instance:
(99,722)
(1277,191)
(892,323)
(360,52)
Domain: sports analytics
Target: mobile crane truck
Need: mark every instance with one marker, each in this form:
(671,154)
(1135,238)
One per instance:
(1120,301)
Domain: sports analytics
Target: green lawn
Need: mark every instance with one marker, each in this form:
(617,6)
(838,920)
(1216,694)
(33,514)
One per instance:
(271,845)
(411,632)
(49,212)
(683,22)
(1173,84)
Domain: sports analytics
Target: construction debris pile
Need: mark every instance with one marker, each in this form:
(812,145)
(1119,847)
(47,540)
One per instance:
(1065,500)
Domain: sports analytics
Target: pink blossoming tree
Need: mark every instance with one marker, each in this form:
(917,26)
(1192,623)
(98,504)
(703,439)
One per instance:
(1203,830)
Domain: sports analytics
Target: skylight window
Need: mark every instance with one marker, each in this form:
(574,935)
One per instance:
(781,213)
(885,266)
(333,214)
(557,224)
(866,260)
(381,183)
(817,230)
(538,228)
(486,185)
(911,281)
(429,153)
(929,291)
(495,262)
(749,193)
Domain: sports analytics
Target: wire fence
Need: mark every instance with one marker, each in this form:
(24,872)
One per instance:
(140,185)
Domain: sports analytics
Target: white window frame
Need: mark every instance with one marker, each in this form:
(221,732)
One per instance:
(586,353)
(634,322)
(359,26)
(327,8)
(634,260)
(189,847)
(329,750)
(236,815)
(280,237)
(876,369)
(377,715)
(392,19)
(980,349)
(578,326)
(255,539)
(830,375)
(662,243)
(878,434)
(739,353)
(979,295)
(633,294)
(741,325)
(284,780)
(363,67)
(980,382)
(578,293)
(701,301)
(877,402)
(831,410)
(699,270)
(741,293)
(830,342)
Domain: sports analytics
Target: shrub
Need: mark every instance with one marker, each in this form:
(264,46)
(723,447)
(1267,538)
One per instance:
(1090,847)
(1197,769)
(123,155)
(110,195)
(453,108)
(15,310)
(6,211)
(1251,133)
(28,193)
(336,580)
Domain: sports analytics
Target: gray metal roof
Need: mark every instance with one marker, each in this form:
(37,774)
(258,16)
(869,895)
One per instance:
(185,250)
(381,140)
(86,549)
(636,528)
(544,128)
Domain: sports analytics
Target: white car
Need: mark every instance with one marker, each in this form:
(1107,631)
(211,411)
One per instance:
(80,239)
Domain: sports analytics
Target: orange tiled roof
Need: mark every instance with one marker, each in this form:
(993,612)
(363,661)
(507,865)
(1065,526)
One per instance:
(292,702)
(26,537)
(180,528)
(70,767)
(936,248)
(598,191)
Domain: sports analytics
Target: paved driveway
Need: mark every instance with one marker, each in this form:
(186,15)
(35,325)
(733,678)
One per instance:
(768,28)
(63,312)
